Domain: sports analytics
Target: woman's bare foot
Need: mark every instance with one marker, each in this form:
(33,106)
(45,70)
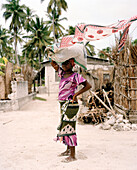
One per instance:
(66,153)
(69,159)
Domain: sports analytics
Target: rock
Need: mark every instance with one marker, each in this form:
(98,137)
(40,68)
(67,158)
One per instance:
(105,126)
(121,124)
(119,118)
(1,111)
(134,127)
(84,110)
(99,126)
(111,121)
(118,127)
(126,128)
(129,125)
(125,121)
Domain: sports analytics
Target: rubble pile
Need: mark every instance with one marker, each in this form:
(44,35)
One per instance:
(99,111)
(105,121)
(118,123)
(96,110)
(94,116)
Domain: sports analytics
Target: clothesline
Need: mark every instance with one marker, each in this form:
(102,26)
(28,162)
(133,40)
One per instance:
(89,32)
(73,45)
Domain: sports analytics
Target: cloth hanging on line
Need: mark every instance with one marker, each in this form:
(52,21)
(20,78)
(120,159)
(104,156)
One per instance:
(67,41)
(91,32)
(70,47)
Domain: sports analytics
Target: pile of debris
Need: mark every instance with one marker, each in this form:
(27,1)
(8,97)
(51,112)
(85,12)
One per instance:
(117,123)
(98,104)
(100,112)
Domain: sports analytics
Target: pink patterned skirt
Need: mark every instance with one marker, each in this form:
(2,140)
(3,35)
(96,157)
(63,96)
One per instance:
(67,127)
(68,140)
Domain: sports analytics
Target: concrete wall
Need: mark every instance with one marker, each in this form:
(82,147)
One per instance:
(2,88)
(10,105)
(19,96)
(19,89)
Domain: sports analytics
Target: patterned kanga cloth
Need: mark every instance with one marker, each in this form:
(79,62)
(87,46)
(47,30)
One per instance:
(68,86)
(92,32)
(67,127)
(89,32)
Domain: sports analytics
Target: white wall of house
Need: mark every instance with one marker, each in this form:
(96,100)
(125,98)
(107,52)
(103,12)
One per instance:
(97,66)
(51,83)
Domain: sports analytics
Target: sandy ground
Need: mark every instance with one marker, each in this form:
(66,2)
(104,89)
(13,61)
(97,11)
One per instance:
(26,142)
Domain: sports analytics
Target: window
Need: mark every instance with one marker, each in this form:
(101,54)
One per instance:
(106,77)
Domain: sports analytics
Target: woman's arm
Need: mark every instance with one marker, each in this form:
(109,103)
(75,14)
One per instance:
(54,65)
(86,87)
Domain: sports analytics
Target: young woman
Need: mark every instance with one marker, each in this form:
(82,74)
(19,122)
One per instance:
(69,105)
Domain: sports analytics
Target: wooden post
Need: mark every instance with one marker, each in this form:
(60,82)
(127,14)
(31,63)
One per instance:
(108,100)
(112,111)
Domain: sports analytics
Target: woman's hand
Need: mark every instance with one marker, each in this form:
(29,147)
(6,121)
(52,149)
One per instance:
(86,87)
(54,65)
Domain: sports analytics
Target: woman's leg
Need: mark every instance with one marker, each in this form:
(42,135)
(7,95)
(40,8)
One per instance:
(72,152)
(71,156)
(67,152)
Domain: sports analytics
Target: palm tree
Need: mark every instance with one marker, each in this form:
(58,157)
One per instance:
(6,49)
(16,12)
(58,4)
(102,55)
(3,41)
(90,49)
(32,58)
(134,42)
(19,39)
(70,30)
(27,23)
(29,18)
(55,7)
(58,28)
(39,39)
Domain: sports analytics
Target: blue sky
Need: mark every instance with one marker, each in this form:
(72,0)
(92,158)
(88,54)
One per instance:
(100,12)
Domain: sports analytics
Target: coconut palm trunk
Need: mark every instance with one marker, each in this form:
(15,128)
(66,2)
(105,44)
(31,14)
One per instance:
(54,29)
(15,44)
(40,67)
(53,13)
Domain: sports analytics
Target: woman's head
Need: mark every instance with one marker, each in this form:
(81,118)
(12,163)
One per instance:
(68,64)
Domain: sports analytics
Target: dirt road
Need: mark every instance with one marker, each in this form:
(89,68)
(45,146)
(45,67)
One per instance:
(26,142)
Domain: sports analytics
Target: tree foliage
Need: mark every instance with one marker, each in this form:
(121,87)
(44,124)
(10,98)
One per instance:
(15,11)
(38,40)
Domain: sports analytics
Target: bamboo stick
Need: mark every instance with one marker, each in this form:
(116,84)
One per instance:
(108,100)
(112,111)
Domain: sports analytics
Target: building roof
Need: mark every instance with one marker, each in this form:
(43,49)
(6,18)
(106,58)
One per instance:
(97,59)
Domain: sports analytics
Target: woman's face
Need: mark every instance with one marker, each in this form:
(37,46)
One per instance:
(67,65)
